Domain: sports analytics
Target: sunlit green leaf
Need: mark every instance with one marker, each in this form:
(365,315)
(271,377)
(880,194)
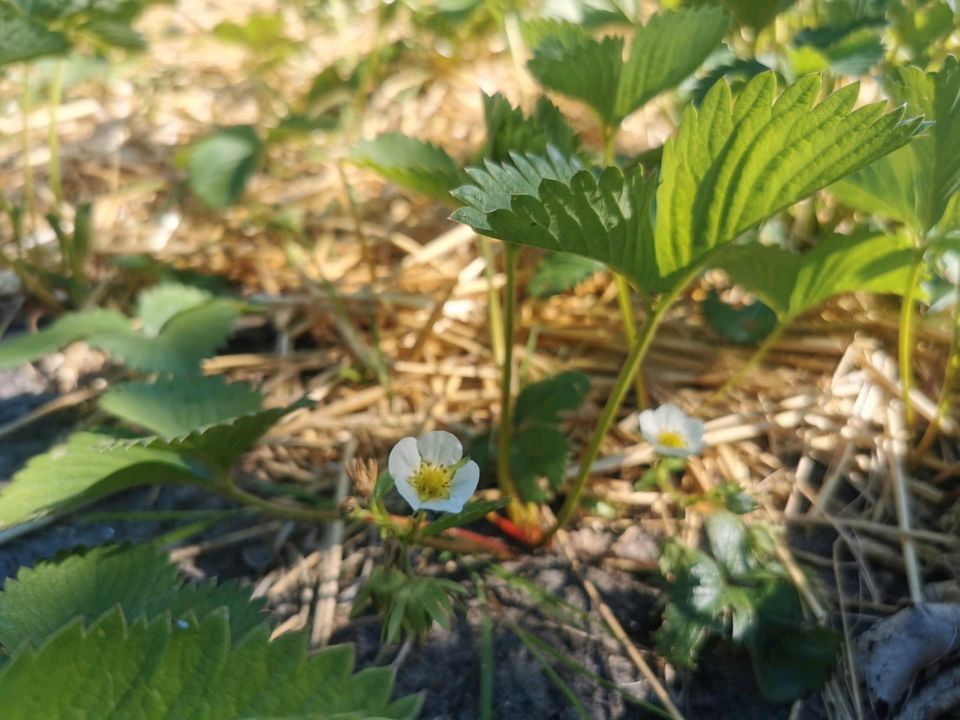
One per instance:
(60,333)
(24,39)
(82,470)
(175,407)
(509,130)
(158,304)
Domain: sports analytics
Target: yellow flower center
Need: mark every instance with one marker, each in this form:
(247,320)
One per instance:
(671,439)
(432,482)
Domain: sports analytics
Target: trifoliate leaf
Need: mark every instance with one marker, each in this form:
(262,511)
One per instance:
(793,283)
(559,272)
(188,669)
(663,52)
(141,581)
(24,39)
(220,165)
(174,407)
(916,185)
(733,165)
(63,331)
(509,130)
(745,325)
(82,470)
(411,163)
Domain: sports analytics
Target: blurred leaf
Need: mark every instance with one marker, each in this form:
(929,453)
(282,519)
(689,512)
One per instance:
(23,39)
(538,449)
(746,325)
(509,130)
(915,185)
(472,511)
(791,662)
(156,305)
(559,272)
(219,445)
(177,407)
(663,52)
(544,401)
(756,14)
(220,165)
(413,164)
(728,542)
(262,34)
(63,331)
(83,470)
(681,636)
(791,283)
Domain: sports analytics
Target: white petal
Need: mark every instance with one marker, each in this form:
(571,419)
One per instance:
(694,433)
(649,427)
(671,417)
(672,451)
(440,448)
(403,463)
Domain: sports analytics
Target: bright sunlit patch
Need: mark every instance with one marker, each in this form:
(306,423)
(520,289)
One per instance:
(431,472)
(671,432)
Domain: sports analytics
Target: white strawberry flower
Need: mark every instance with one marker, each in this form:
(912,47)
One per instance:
(431,472)
(671,431)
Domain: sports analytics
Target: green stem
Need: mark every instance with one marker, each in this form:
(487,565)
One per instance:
(28,192)
(494,312)
(504,478)
(907,334)
(759,354)
(632,364)
(229,489)
(53,135)
(623,287)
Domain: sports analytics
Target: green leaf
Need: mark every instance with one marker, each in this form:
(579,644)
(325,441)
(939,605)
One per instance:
(141,581)
(792,284)
(733,165)
(744,325)
(791,662)
(157,305)
(82,470)
(173,407)
(756,14)
(63,331)
(559,272)
(220,445)
(916,186)
(509,130)
(410,163)
(220,165)
(681,636)
(471,512)
(544,401)
(23,39)
(189,669)
(696,583)
(538,450)
(184,340)
(549,203)
(663,53)
(728,543)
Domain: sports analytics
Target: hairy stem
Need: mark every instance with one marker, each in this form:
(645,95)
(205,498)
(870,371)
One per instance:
(494,311)
(633,362)
(504,478)
(53,134)
(907,335)
(287,512)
